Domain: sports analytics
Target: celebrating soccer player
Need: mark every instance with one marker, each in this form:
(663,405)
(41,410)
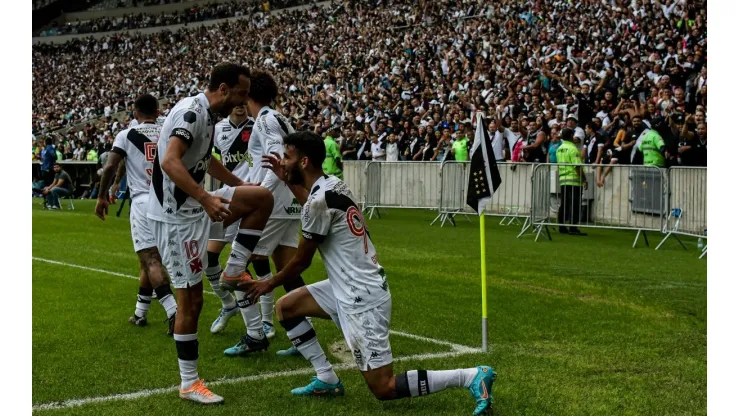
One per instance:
(355,295)
(181,210)
(138,145)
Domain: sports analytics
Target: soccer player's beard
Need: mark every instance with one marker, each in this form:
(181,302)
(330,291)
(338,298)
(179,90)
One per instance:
(295,176)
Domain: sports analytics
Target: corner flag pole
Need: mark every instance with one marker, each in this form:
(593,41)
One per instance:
(484,295)
(483,181)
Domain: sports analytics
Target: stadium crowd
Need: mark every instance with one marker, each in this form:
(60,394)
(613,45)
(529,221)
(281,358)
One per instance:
(189,14)
(401,80)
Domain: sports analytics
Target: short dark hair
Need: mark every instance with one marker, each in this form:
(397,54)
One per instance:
(147,105)
(566,134)
(48,141)
(226,73)
(308,144)
(263,89)
(592,126)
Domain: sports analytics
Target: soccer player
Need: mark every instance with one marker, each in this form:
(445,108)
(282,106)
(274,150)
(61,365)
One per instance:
(280,237)
(138,145)
(355,295)
(180,209)
(231,138)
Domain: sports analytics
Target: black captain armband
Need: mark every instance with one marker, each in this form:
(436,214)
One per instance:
(313,237)
(183,134)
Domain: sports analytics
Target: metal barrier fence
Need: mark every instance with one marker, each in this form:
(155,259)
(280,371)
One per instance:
(512,200)
(401,185)
(687,209)
(631,197)
(354,177)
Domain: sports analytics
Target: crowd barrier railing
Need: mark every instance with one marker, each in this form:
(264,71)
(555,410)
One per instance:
(687,209)
(401,185)
(630,197)
(511,201)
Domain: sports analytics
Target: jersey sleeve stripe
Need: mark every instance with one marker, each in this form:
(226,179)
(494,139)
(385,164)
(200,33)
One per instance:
(117,150)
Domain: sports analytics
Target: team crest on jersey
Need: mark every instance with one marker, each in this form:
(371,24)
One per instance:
(246,134)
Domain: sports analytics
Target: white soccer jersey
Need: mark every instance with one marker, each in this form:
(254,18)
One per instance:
(332,217)
(270,128)
(191,121)
(231,142)
(139,146)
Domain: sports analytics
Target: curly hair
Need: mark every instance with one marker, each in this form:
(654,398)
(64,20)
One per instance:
(263,89)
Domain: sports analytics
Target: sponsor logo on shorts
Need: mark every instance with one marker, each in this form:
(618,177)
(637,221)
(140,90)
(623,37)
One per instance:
(176,264)
(358,357)
(169,211)
(374,355)
(358,299)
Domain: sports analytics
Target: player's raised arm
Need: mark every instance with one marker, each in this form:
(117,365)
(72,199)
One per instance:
(274,163)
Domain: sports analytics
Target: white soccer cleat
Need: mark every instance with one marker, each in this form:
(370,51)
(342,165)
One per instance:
(199,393)
(223,318)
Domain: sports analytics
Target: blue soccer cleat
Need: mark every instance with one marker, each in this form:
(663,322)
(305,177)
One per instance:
(320,389)
(223,318)
(246,346)
(481,391)
(290,352)
(269,329)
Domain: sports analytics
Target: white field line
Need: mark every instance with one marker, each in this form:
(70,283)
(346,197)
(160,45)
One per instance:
(456,350)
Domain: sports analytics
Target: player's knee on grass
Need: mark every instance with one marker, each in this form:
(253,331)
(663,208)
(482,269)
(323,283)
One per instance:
(383,388)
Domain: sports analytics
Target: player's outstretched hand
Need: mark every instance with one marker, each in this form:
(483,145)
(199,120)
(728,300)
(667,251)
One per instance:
(255,288)
(101,208)
(273,161)
(215,207)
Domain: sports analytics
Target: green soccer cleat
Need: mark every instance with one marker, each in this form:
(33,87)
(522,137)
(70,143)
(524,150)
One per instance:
(480,389)
(290,352)
(319,389)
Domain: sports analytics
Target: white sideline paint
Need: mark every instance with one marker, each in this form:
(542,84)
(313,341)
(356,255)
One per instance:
(456,350)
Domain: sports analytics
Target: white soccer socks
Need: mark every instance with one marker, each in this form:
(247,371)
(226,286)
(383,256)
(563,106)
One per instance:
(417,383)
(245,242)
(267,302)
(187,358)
(213,274)
(303,336)
(166,299)
(143,300)
(251,314)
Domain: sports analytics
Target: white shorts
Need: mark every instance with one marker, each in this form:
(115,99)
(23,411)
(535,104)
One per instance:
(217,231)
(183,247)
(367,333)
(141,230)
(278,232)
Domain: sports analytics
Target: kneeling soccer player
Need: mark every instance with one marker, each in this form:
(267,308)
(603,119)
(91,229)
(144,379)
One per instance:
(355,296)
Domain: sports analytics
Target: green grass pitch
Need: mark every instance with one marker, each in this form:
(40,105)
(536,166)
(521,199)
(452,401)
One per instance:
(578,326)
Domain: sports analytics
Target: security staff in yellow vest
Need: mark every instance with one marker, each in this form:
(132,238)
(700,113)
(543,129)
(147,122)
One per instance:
(572,179)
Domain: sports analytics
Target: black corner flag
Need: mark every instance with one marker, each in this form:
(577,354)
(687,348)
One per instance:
(484,178)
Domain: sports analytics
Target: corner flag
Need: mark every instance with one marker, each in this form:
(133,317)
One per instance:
(483,181)
(484,178)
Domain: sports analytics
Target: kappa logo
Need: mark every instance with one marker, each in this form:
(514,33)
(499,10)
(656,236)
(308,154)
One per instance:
(171,243)
(374,355)
(369,333)
(136,241)
(358,299)
(169,211)
(170,200)
(176,264)
(224,137)
(174,254)
(372,345)
(232,255)
(178,274)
